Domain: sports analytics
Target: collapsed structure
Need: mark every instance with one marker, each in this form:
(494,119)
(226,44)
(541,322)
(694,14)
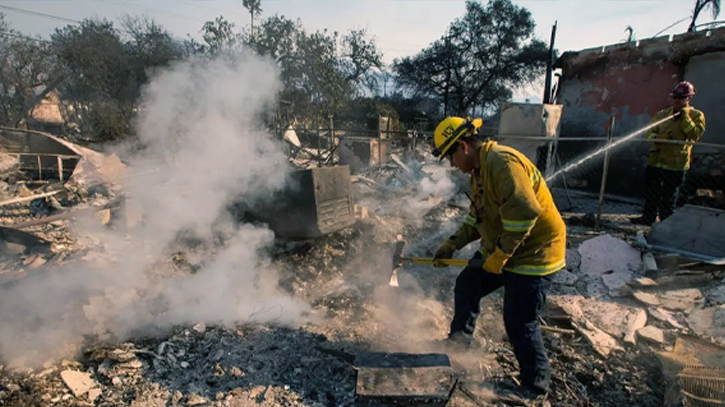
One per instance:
(630,81)
(625,308)
(630,321)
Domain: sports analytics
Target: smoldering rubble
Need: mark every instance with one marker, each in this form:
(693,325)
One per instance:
(154,295)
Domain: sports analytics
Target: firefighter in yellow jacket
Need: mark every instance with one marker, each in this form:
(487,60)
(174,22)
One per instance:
(667,163)
(523,242)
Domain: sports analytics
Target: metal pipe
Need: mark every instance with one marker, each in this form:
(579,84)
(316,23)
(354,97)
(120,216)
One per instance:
(549,66)
(523,137)
(690,255)
(605,174)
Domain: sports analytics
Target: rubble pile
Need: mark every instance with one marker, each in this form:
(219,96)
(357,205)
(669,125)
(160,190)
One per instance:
(610,314)
(194,366)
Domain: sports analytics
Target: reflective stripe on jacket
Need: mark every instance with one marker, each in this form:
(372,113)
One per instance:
(513,210)
(672,156)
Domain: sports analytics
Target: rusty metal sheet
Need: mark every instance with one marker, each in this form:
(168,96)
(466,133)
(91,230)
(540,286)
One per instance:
(315,202)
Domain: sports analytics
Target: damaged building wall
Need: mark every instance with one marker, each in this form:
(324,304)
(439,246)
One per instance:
(632,82)
(39,152)
(706,72)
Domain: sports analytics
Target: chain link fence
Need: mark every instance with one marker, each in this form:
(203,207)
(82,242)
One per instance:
(615,184)
(600,179)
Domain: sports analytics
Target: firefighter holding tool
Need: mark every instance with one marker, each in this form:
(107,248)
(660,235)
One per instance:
(523,242)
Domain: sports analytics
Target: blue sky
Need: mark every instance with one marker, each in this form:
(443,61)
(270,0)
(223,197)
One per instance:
(401,27)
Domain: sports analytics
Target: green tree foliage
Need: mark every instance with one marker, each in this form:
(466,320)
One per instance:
(700,5)
(108,69)
(219,35)
(150,46)
(321,71)
(481,58)
(27,65)
(254,7)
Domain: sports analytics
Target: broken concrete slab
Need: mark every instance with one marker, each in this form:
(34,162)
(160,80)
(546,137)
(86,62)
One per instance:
(593,286)
(602,342)
(619,320)
(669,317)
(614,260)
(652,334)
(691,229)
(79,383)
(565,277)
(716,295)
(93,394)
(643,282)
(607,253)
(566,305)
(709,323)
(615,281)
(573,259)
(685,300)
(682,300)
(647,298)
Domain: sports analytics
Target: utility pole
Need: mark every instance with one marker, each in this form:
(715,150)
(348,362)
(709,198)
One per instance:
(550,66)
(448,75)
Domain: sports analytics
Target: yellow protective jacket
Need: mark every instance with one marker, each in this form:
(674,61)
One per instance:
(688,128)
(513,213)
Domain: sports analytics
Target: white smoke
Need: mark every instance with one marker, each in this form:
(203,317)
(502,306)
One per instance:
(203,145)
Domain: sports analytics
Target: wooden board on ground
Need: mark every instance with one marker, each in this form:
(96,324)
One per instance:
(401,379)
(694,229)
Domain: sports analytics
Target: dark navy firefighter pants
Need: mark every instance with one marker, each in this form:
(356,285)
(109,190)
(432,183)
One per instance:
(524,299)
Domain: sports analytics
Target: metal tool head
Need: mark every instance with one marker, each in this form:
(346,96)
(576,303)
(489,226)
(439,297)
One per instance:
(398,248)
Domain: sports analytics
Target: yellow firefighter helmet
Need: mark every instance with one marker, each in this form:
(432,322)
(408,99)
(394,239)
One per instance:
(450,130)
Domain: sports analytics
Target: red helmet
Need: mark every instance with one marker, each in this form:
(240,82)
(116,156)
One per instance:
(683,89)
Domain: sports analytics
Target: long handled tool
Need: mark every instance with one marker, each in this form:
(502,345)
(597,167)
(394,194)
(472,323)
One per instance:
(398,260)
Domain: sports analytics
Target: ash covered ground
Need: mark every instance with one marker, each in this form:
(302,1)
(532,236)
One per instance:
(187,307)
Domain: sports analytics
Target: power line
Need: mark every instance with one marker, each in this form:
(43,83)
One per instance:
(672,25)
(35,13)
(9,34)
(210,8)
(166,13)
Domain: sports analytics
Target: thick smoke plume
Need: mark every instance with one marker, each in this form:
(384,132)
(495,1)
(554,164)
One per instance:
(203,145)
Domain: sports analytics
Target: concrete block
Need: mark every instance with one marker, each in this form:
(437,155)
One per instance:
(652,334)
(79,383)
(692,229)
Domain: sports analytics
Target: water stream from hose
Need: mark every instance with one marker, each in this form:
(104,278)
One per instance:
(605,148)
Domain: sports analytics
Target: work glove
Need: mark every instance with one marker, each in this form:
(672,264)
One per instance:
(685,111)
(495,262)
(445,251)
